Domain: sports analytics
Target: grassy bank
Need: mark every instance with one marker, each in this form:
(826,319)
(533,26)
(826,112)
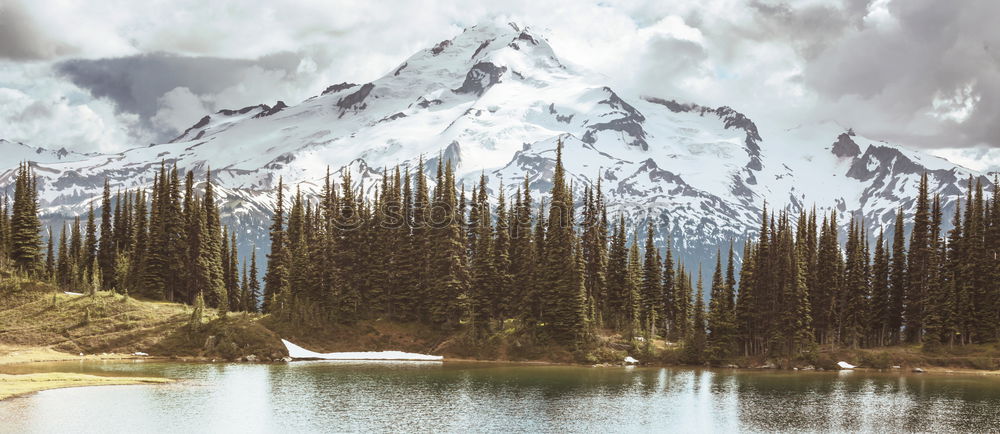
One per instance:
(39,316)
(40,323)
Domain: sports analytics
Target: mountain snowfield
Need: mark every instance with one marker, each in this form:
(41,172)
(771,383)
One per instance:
(496,99)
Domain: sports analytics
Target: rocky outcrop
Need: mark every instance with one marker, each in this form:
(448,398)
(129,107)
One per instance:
(844,147)
(629,123)
(356,100)
(200,124)
(339,87)
(481,78)
(440,47)
(268,111)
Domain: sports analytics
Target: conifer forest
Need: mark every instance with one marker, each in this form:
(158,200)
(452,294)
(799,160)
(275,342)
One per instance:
(425,249)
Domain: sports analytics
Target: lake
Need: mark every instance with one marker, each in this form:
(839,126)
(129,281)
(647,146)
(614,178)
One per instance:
(485,397)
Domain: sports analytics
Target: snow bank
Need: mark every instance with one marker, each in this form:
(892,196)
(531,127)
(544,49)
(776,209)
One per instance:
(845,365)
(630,361)
(297,352)
(77,294)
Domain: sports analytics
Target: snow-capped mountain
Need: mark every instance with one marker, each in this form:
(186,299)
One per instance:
(496,99)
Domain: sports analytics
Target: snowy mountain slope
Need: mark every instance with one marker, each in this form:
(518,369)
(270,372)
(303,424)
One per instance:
(15,151)
(496,99)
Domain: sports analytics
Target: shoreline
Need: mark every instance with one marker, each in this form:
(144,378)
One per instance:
(14,385)
(26,355)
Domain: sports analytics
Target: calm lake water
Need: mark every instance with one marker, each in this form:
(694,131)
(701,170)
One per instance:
(465,397)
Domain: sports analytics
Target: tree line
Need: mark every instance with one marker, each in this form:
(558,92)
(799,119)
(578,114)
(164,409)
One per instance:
(434,253)
(799,287)
(167,246)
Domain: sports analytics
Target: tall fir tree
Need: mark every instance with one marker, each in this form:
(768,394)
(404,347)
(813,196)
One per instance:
(897,279)
(106,250)
(918,267)
(652,281)
(564,307)
(25,226)
(276,276)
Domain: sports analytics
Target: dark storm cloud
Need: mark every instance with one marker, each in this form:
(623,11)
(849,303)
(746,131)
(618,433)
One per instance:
(933,51)
(136,83)
(22,39)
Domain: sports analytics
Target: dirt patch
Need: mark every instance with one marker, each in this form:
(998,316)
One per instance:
(15,385)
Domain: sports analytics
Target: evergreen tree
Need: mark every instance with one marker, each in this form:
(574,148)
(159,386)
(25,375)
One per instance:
(484,273)
(617,277)
(276,276)
(253,288)
(76,260)
(232,279)
(897,279)
(501,260)
(633,288)
(211,250)
(720,315)
(89,256)
(745,301)
(652,281)
(668,304)
(140,244)
(63,275)
(694,345)
(50,259)
(564,310)
(25,226)
(522,254)
(106,251)
(881,297)
(854,313)
(4,230)
(917,267)
(595,251)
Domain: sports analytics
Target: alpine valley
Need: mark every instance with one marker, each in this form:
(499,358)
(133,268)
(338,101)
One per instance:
(496,100)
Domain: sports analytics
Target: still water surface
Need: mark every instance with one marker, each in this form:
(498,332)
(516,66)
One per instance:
(466,397)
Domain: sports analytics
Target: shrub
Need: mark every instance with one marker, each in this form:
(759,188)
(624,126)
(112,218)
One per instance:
(986,363)
(877,360)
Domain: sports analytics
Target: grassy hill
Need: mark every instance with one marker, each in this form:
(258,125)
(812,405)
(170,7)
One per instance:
(37,314)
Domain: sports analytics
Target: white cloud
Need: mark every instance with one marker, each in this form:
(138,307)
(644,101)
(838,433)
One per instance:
(983,159)
(893,69)
(42,110)
(176,108)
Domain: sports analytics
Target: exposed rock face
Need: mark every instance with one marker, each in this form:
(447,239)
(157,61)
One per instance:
(735,119)
(268,111)
(200,124)
(480,78)
(400,69)
(356,100)
(440,47)
(483,45)
(629,123)
(844,147)
(339,87)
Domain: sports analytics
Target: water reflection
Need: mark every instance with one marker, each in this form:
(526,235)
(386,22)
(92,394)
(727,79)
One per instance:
(415,396)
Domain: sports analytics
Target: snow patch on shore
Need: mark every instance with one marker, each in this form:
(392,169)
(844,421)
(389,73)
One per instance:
(297,352)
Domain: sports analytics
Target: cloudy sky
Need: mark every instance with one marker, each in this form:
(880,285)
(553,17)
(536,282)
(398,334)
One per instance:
(105,75)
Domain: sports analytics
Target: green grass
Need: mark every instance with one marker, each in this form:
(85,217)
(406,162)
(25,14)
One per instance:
(37,314)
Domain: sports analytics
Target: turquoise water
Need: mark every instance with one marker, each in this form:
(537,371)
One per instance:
(469,397)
